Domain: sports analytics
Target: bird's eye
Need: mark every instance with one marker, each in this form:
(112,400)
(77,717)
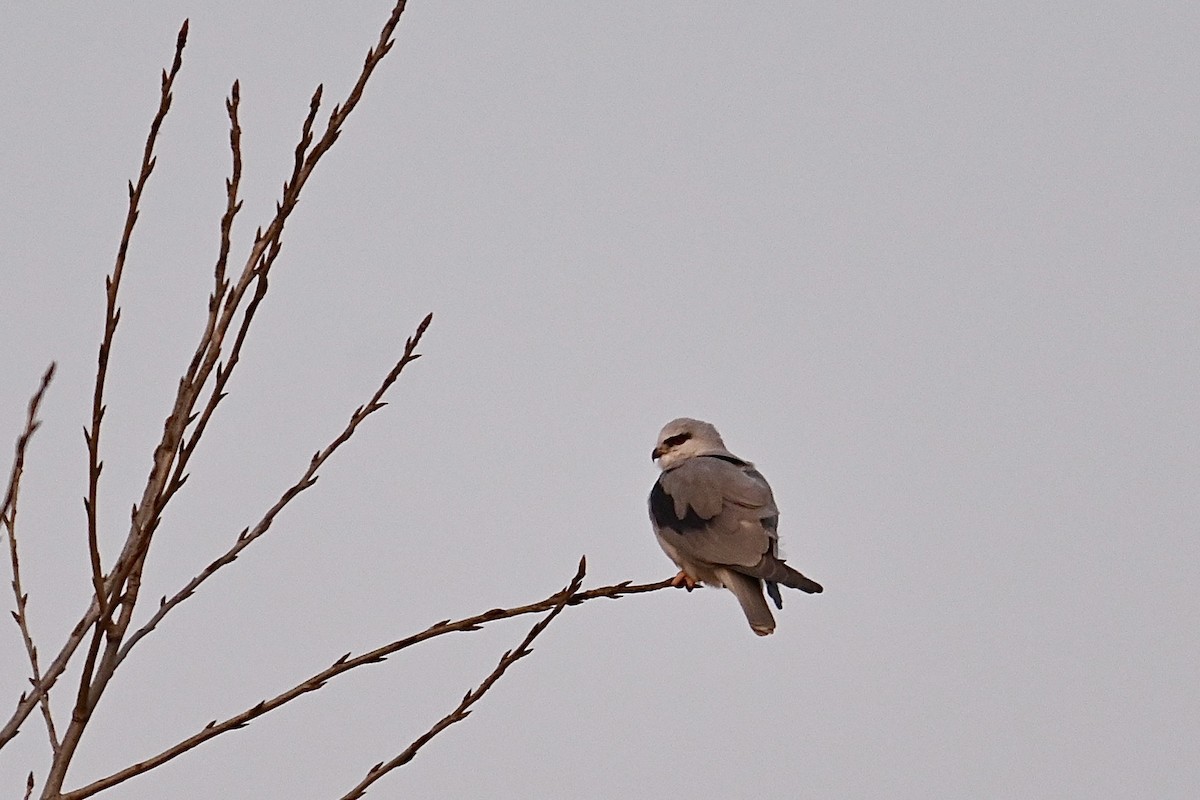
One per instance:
(677,439)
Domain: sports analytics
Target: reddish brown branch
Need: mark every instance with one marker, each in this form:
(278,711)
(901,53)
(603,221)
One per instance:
(122,585)
(569,597)
(86,698)
(265,250)
(112,317)
(470,698)
(32,423)
(26,702)
(8,515)
(249,535)
(232,206)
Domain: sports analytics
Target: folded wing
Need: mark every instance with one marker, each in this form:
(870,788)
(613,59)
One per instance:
(719,510)
(716,510)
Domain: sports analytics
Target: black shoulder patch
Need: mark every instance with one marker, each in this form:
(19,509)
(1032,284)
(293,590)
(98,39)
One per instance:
(662,511)
(731,459)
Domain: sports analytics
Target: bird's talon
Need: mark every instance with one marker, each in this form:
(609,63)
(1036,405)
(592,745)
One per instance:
(684,580)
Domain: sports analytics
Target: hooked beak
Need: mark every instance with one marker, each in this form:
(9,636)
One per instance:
(657,454)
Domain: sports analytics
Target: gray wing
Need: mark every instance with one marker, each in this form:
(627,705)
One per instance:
(716,511)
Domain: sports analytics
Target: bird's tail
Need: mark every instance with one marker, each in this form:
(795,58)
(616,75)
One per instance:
(749,593)
(773,570)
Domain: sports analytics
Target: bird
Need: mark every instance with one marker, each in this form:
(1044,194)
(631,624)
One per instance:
(715,516)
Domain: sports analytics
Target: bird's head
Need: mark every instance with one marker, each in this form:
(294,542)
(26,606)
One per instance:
(684,438)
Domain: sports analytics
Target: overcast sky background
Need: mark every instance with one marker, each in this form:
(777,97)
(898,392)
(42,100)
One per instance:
(932,266)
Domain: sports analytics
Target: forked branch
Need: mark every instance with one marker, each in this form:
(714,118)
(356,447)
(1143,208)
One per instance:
(249,535)
(567,597)
(470,698)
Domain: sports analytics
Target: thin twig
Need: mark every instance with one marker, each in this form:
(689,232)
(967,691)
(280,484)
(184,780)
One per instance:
(347,663)
(223,372)
(26,702)
(265,250)
(267,245)
(31,425)
(249,535)
(8,513)
(112,316)
(220,287)
(232,206)
(470,698)
(86,697)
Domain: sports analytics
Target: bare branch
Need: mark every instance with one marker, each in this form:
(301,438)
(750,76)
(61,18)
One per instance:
(262,256)
(470,698)
(122,585)
(31,425)
(217,395)
(117,593)
(8,514)
(112,316)
(346,663)
(232,206)
(26,702)
(246,537)
(86,700)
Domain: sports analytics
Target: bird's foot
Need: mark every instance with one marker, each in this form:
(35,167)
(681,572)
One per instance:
(684,580)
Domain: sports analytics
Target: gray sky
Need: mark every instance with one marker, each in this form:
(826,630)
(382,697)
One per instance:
(933,267)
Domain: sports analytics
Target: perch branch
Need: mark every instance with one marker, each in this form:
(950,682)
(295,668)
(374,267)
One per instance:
(347,663)
(470,698)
